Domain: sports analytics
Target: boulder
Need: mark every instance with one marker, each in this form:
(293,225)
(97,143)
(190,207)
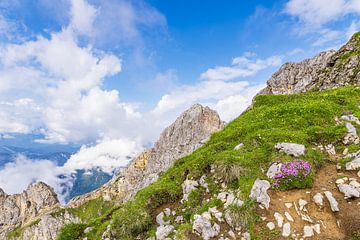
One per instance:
(292,149)
(160,219)
(353,165)
(259,192)
(164,231)
(351,137)
(349,191)
(273,170)
(188,186)
(202,226)
(334,205)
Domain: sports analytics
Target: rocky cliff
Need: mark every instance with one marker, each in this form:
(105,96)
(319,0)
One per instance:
(19,209)
(189,132)
(36,214)
(326,70)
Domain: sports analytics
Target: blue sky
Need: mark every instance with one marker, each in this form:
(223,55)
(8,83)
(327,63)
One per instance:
(112,74)
(159,58)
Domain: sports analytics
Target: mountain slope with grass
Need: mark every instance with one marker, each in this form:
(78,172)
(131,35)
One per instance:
(308,119)
(287,168)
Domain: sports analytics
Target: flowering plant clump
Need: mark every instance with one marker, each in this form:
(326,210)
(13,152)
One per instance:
(295,174)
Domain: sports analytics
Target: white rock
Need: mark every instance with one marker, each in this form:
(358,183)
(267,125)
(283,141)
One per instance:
(317,228)
(333,203)
(204,228)
(270,226)
(273,170)
(246,236)
(179,219)
(188,186)
(160,219)
(259,192)
(279,219)
(351,136)
(167,212)
(203,183)
(308,231)
(350,118)
(292,149)
(319,199)
(330,149)
(232,234)
(238,147)
(302,204)
(341,180)
(306,218)
(353,165)
(288,205)
(349,191)
(163,231)
(289,217)
(216,213)
(286,230)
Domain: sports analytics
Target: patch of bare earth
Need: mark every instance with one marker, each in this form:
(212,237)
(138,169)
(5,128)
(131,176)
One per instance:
(338,225)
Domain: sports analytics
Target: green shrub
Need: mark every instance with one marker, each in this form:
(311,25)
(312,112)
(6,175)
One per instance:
(71,231)
(130,221)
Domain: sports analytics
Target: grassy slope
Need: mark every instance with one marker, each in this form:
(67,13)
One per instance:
(302,118)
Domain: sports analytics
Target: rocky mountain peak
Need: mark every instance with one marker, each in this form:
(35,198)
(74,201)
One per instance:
(326,70)
(19,208)
(189,132)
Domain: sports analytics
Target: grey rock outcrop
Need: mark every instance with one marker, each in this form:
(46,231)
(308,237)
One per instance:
(349,191)
(353,165)
(48,226)
(326,70)
(273,170)
(189,132)
(259,192)
(163,231)
(202,226)
(20,209)
(292,149)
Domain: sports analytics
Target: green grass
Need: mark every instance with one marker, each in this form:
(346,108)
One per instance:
(302,118)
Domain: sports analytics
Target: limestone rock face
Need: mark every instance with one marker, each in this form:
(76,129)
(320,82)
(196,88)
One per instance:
(21,208)
(48,226)
(189,132)
(326,70)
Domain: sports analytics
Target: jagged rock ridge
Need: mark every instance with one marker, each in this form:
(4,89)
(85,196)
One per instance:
(189,132)
(326,70)
(21,208)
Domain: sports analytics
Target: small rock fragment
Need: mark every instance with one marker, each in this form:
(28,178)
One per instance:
(288,205)
(279,219)
(319,199)
(308,231)
(286,230)
(289,217)
(238,147)
(270,226)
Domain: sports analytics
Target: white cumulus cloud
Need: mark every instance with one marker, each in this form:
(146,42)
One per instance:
(243,66)
(107,155)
